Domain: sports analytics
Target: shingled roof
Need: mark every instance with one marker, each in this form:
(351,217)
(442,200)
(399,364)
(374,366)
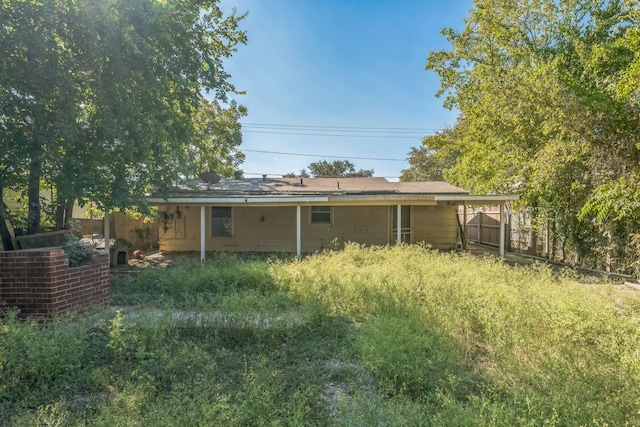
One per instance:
(313,186)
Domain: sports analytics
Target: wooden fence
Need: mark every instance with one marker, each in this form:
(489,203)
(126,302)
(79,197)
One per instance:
(483,225)
(142,233)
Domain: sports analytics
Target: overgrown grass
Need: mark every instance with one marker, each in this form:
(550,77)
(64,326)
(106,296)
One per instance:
(361,337)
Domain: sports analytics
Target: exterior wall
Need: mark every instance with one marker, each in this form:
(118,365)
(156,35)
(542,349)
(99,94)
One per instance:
(436,225)
(40,282)
(273,229)
(362,224)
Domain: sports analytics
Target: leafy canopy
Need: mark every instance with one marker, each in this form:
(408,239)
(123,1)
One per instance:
(334,169)
(101,100)
(548,97)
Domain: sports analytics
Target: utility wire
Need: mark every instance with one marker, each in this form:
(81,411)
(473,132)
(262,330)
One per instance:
(333,128)
(320,155)
(333,135)
(337,131)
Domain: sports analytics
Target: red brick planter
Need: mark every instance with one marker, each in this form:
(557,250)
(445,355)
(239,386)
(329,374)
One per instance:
(40,282)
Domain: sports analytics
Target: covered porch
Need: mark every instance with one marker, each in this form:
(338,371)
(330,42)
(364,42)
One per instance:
(301,224)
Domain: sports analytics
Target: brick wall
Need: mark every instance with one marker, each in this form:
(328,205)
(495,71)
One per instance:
(40,282)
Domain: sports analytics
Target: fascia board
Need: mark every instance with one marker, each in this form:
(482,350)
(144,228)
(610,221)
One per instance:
(489,198)
(234,200)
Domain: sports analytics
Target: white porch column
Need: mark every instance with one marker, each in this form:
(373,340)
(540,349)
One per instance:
(501,250)
(464,226)
(202,233)
(298,232)
(399,224)
(107,235)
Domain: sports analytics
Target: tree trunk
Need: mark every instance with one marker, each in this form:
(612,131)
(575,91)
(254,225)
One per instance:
(610,248)
(68,212)
(7,243)
(59,214)
(33,218)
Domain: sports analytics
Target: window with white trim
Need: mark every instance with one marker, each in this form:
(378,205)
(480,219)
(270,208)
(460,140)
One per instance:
(221,221)
(320,214)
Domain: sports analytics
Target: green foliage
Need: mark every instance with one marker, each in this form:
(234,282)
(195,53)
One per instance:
(199,287)
(431,161)
(219,137)
(78,252)
(39,363)
(103,100)
(548,110)
(400,336)
(515,346)
(336,169)
(408,354)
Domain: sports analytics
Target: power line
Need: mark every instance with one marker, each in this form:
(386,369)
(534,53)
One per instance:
(337,131)
(320,155)
(328,128)
(333,135)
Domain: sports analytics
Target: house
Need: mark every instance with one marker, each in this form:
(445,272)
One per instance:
(304,215)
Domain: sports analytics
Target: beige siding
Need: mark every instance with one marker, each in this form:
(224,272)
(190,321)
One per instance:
(179,232)
(435,225)
(362,224)
(273,229)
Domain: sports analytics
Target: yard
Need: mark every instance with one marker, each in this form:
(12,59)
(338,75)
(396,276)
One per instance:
(400,336)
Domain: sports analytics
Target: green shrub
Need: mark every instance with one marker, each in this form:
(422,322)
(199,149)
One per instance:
(77,251)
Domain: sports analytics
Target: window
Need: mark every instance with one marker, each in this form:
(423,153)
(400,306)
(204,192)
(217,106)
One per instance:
(320,214)
(221,224)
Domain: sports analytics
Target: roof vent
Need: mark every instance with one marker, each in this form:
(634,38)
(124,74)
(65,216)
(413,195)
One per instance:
(238,174)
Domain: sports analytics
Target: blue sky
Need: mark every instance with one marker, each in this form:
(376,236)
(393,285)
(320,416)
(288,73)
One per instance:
(317,70)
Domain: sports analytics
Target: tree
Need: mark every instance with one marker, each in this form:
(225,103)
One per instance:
(337,169)
(37,90)
(303,174)
(104,99)
(547,94)
(218,138)
(429,163)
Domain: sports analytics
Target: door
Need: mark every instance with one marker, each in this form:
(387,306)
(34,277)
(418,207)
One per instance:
(405,224)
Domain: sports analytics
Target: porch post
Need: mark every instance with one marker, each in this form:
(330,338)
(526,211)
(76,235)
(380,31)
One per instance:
(464,227)
(298,237)
(501,250)
(202,233)
(399,224)
(107,235)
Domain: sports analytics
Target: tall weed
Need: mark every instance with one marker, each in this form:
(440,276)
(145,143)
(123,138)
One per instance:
(191,285)
(41,361)
(542,348)
(406,335)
